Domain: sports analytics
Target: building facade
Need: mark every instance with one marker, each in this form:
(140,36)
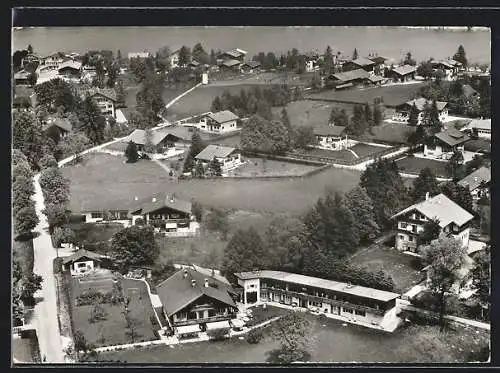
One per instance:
(347,302)
(194,301)
(331,138)
(453,221)
(445,144)
(478,183)
(220,122)
(229,158)
(402,112)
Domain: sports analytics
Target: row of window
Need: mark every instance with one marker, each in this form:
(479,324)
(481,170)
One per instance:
(410,238)
(122,215)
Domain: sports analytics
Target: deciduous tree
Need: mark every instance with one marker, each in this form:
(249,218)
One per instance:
(134,246)
(425,183)
(361,206)
(445,257)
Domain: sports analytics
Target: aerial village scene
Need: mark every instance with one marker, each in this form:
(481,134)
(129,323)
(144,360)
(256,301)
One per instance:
(255,195)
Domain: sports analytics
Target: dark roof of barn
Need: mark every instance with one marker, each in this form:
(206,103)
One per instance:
(160,201)
(351,75)
(82,253)
(452,137)
(329,130)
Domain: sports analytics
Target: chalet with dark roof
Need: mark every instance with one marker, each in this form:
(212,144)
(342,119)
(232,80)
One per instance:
(161,140)
(403,73)
(229,158)
(82,262)
(402,112)
(478,183)
(195,301)
(359,63)
(57,128)
(167,214)
(331,137)
(445,143)
(250,66)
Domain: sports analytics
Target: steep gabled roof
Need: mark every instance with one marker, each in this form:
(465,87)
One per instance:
(223,116)
(362,62)
(230,63)
(70,64)
(83,254)
(442,208)
(420,103)
(452,137)
(251,64)
(352,75)
(160,201)
(217,151)
(139,137)
(329,130)
(63,123)
(177,292)
(235,53)
(475,179)
(404,70)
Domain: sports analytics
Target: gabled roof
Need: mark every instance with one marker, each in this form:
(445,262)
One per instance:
(446,63)
(442,208)
(63,123)
(362,62)
(216,151)
(83,254)
(139,55)
(106,92)
(375,78)
(475,179)
(160,201)
(360,291)
(377,59)
(223,116)
(251,64)
(352,75)
(177,292)
(139,137)
(420,103)
(230,63)
(235,53)
(405,70)
(329,131)
(70,64)
(452,137)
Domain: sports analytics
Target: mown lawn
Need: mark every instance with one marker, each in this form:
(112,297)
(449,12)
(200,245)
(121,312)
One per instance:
(392,95)
(345,155)
(390,132)
(403,269)
(112,330)
(200,100)
(310,113)
(106,182)
(257,167)
(413,165)
(333,342)
(363,150)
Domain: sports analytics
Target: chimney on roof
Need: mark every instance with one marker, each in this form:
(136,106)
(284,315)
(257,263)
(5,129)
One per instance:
(154,199)
(193,282)
(185,273)
(206,283)
(426,196)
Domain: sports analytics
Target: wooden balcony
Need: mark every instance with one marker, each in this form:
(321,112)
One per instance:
(168,221)
(228,317)
(333,302)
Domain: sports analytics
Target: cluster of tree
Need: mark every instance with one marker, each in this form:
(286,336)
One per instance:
(18,56)
(190,164)
(150,100)
(25,284)
(55,188)
(268,136)
(267,61)
(24,214)
(134,246)
(384,185)
(256,100)
(316,245)
(364,118)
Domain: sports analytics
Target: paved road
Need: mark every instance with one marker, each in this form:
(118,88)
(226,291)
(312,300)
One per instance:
(45,312)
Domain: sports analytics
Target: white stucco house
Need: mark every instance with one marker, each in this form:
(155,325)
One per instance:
(331,137)
(228,157)
(220,122)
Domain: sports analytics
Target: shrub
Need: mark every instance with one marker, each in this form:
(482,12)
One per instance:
(254,336)
(218,334)
(58,265)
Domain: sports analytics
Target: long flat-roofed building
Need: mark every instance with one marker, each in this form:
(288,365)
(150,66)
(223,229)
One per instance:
(347,302)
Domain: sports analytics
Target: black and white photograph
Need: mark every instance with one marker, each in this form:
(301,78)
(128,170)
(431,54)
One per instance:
(265,195)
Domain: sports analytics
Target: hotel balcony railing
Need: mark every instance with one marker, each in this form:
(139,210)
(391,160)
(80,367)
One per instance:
(204,320)
(163,221)
(334,302)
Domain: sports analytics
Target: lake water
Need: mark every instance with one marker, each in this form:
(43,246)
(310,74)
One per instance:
(391,42)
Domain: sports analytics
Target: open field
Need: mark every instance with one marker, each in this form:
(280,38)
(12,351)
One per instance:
(26,349)
(112,330)
(413,344)
(403,269)
(344,155)
(200,100)
(104,182)
(310,113)
(390,132)
(393,95)
(363,150)
(268,77)
(413,165)
(258,167)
